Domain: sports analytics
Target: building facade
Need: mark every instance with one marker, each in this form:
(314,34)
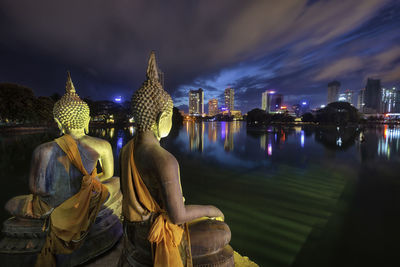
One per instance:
(196,102)
(389,99)
(372,96)
(333,91)
(229,98)
(276,102)
(270,101)
(213,107)
(360,100)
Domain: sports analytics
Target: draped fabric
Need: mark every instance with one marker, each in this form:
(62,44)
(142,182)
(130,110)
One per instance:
(70,221)
(138,202)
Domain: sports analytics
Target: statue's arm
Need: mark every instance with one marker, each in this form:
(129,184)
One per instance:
(173,198)
(107,162)
(31,206)
(37,173)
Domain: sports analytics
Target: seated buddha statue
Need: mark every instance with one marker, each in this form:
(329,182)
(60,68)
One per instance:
(159,229)
(67,192)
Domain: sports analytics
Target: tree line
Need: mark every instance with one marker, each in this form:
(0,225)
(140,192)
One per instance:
(18,105)
(339,113)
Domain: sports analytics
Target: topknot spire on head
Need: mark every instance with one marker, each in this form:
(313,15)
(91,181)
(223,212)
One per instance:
(69,87)
(71,111)
(150,100)
(152,69)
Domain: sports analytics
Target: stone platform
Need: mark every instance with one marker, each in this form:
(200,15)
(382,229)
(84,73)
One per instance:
(110,259)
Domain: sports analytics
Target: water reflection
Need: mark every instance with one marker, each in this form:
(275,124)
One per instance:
(389,143)
(216,131)
(195,133)
(337,138)
(218,139)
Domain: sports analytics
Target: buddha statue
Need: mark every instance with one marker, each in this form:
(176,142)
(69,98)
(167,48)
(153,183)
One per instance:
(159,229)
(73,212)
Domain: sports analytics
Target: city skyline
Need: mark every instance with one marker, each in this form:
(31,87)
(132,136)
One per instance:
(294,47)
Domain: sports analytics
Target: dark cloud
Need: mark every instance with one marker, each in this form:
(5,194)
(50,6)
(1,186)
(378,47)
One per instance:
(293,46)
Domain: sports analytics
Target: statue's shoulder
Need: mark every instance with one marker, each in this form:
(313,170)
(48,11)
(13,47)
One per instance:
(99,143)
(97,140)
(163,158)
(45,148)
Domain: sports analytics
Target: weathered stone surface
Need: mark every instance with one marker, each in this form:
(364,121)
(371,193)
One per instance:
(22,239)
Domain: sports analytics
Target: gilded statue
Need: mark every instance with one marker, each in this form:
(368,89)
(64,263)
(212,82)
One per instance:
(159,229)
(67,192)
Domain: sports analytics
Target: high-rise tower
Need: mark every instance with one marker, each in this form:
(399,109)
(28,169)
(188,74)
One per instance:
(333,91)
(229,98)
(271,101)
(373,96)
(213,107)
(196,102)
(360,100)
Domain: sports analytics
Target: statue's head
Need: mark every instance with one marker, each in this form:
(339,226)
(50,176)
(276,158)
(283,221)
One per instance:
(151,104)
(70,112)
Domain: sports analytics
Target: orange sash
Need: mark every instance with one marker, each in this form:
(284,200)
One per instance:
(166,235)
(70,221)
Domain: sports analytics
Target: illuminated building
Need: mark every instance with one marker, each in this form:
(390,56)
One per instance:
(213,107)
(372,96)
(237,114)
(276,102)
(360,100)
(347,96)
(264,100)
(333,91)
(389,97)
(270,101)
(196,102)
(229,98)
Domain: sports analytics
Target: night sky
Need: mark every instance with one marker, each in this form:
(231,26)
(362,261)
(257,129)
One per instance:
(293,47)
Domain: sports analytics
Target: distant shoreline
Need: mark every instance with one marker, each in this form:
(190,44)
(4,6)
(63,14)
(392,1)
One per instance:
(41,128)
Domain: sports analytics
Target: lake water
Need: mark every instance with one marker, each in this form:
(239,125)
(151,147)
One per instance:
(292,196)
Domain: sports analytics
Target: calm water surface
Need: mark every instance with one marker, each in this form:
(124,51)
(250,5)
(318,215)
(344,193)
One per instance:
(300,196)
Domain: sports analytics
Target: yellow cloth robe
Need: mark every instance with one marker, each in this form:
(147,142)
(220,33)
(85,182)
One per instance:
(166,235)
(70,221)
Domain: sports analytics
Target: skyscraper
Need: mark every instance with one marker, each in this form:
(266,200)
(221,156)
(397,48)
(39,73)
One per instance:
(276,102)
(196,102)
(267,100)
(373,96)
(270,101)
(360,100)
(333,91)
(229,98)
(213,107)
(264,100)
(389,97)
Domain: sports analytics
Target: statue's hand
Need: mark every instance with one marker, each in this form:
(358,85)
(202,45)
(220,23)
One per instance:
(216,212)
(21,206)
